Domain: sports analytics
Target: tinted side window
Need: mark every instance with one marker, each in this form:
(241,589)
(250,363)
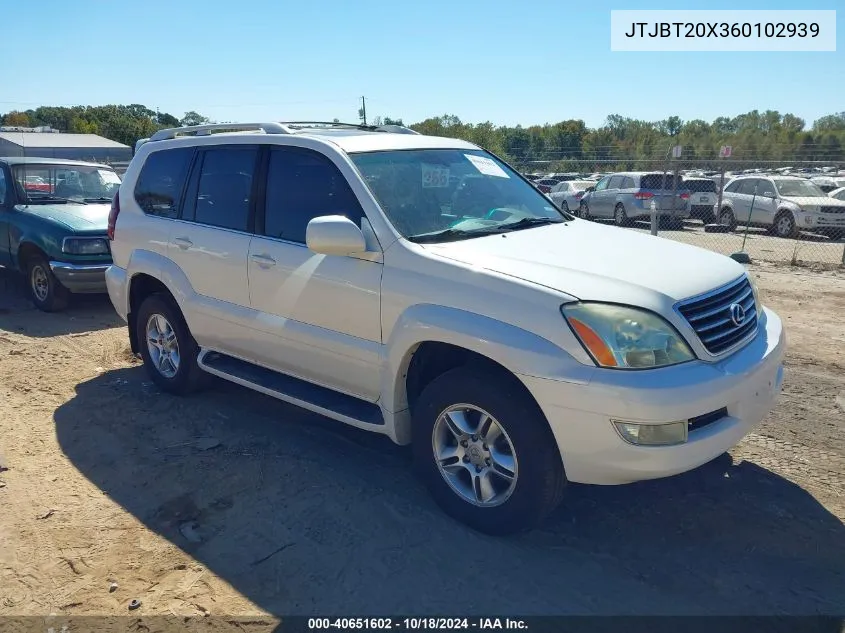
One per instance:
(303,185)
(615,182)
(602,184)
(160,183)
(628,183)
(656,181)
(733,187)
(748,186)
(224,190)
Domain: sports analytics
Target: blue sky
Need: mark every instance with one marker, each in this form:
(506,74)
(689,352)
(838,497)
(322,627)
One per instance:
(527,62)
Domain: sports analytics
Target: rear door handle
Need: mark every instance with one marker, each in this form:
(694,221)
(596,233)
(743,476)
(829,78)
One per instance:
(265,261)
(183,242)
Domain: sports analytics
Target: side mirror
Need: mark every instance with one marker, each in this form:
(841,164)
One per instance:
(334,235)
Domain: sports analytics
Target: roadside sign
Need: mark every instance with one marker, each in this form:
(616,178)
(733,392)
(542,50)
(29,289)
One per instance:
(725,151)
(677,151)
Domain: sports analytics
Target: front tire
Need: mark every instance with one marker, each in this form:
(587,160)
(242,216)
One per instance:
(47,292)
(485,452)
(167,348)
(784,225)
(584,211)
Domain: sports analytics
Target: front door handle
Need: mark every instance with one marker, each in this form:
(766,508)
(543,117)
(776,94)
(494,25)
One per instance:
(183,242)
(265,261)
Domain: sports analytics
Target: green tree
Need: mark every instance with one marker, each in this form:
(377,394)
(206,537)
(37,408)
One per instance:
(193,118)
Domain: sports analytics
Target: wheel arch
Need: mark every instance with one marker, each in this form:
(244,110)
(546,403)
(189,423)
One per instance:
(429,340)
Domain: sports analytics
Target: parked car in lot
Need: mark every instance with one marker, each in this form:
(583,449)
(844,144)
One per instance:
(828,183)
(783,204)
(567,194)
(703,198)
(545,184)
(839,194)
(53,216)
(628,196)
(514,346)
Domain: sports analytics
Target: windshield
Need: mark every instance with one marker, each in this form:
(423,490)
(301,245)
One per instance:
(86,183)
(428,191)
(802,188)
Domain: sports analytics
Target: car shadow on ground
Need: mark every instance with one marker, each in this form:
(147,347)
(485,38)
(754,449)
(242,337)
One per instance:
(306,516)
(85,313)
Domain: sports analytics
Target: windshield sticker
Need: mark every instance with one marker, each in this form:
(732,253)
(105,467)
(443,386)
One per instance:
(109,177)
(486,166)
(434,176)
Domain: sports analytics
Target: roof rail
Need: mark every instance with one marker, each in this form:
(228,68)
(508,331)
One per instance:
(395,129)
(203,130)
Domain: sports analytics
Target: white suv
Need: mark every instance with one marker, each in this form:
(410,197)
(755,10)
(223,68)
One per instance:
(419,287)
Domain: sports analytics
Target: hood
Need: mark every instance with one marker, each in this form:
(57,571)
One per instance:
(594,262)
(89,218)
(814,201)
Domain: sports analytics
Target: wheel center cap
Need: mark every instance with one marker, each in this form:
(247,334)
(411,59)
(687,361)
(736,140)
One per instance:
(476,454)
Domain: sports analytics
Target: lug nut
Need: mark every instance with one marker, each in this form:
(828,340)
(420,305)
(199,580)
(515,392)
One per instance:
(466,459)
(478,469)
(474,438)
(485,446)
(487,461)
(464,443)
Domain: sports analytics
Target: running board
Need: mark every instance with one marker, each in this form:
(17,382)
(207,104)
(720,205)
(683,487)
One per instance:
(322,400)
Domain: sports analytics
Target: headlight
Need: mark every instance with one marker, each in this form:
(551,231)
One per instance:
(85,246)
(626,338)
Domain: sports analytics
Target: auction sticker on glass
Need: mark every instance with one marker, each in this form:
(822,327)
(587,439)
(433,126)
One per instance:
(486,166)
(434,176)
(723,30)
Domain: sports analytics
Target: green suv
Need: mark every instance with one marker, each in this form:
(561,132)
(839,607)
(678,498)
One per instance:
(53,221)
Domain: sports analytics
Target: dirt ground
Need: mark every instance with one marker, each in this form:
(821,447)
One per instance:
(231,503)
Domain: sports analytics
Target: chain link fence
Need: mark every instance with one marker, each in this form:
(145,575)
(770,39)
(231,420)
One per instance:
(772,211)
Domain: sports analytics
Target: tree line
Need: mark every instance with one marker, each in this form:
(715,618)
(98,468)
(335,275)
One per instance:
(754,136)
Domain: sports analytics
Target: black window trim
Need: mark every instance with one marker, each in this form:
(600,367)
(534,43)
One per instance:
(191,186)
(179,201)
(264,168)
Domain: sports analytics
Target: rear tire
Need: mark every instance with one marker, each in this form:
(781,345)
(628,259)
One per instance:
(620,216)
(726,218)
(167,348)
(472,484)
(47,292)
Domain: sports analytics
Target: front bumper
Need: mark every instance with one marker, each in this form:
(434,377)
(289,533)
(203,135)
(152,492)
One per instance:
(746,384)
(81,278)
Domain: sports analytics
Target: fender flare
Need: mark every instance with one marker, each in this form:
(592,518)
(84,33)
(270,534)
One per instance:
(519,351)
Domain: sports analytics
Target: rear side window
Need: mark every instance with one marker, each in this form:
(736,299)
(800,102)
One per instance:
(700,186)
(628,183)
(161,181)
(733,187)
(655,181)
(303,185)
(224,190)
(616,182)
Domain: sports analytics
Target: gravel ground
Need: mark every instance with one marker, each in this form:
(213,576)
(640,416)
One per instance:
(233,503)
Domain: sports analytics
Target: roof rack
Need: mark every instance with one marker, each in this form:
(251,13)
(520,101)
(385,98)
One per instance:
(204,130)
(395,129)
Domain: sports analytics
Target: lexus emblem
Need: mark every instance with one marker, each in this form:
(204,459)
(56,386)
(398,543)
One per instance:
(737,314)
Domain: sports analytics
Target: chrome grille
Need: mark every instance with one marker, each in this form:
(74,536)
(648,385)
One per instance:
(710,315)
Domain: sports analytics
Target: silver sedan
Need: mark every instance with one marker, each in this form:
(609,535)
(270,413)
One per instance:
(567,194)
